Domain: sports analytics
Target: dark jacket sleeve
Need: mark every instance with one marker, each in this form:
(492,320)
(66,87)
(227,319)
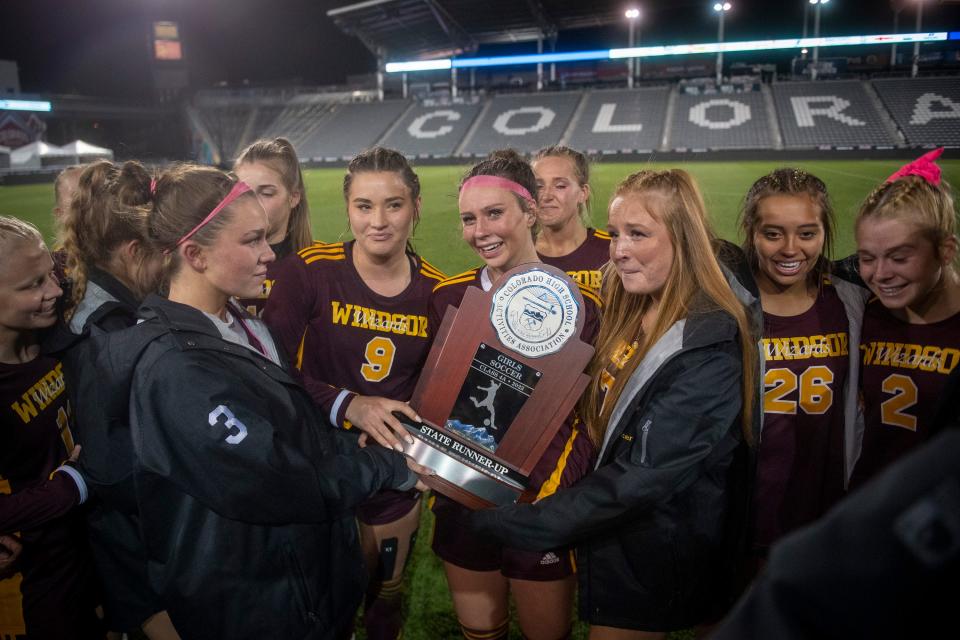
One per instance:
(884,563)
(692,406)
(29,508)
(210,434)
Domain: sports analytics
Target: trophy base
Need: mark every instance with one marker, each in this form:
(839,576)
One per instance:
(467,474)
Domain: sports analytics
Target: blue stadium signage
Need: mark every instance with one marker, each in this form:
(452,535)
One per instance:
(672,50)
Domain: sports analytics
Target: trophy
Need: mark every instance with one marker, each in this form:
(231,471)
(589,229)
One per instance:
(504,372)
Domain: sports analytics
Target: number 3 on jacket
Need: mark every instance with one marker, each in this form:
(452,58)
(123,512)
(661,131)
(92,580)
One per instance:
(236,429)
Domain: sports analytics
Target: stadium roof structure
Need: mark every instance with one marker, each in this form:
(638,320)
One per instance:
(426,29)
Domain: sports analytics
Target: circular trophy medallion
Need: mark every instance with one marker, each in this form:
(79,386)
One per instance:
(534,313)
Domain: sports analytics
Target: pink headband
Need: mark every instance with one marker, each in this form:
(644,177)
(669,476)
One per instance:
(925,167)
(500,183)
(238,190)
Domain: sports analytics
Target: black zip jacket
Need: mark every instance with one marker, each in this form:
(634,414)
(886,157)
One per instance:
(107,457)
(245,494)
(657,525)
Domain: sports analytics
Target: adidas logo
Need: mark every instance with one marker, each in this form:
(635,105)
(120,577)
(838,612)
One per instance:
(549,558)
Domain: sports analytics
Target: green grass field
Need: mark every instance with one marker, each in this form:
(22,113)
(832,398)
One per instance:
(438,236)
(430,615)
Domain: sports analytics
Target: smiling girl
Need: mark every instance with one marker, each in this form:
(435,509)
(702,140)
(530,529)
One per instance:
(355,313)
(498,216)
(58,585)
(907,247)
(788,229)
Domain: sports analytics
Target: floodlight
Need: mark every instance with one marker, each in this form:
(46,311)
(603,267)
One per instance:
(632,14)
(25,105)
(418,65)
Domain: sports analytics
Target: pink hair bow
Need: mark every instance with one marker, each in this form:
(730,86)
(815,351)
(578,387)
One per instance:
(925,167)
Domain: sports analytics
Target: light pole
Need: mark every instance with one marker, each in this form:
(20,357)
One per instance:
(721,8)
(806,19)
(816,34)
(632,15)
(916,45)
(893,47)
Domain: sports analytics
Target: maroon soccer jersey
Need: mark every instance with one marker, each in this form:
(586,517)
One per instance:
(583,264)
(345,338)
(58,585)
(799,462)
(34,440)
(618,360)
(904,369)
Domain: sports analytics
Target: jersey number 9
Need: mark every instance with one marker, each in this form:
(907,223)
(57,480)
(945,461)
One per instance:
(379,354)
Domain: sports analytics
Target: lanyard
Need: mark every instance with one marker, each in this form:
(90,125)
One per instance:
(251,338)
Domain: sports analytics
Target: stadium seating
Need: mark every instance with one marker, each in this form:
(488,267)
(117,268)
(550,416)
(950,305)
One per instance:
(621,120)
(926,110)
(806,115)
(351,128)
(829,114)
(226,125)
(720,121)
(297,121)
(524,122)
(262,119)
(432,130)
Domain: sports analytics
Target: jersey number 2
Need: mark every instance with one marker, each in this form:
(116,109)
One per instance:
(904,392)
(379,354)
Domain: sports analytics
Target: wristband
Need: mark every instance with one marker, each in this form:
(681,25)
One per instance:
(77,479)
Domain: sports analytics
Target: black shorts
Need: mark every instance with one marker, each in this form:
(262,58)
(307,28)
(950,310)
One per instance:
(387,506)
(456,543)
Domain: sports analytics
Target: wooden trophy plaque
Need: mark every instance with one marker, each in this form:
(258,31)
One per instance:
(504,372)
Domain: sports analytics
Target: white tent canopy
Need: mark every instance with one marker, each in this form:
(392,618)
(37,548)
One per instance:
(84,151)
(41,154)
(38,154)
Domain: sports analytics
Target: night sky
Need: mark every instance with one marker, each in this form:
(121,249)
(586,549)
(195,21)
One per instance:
(100,47)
